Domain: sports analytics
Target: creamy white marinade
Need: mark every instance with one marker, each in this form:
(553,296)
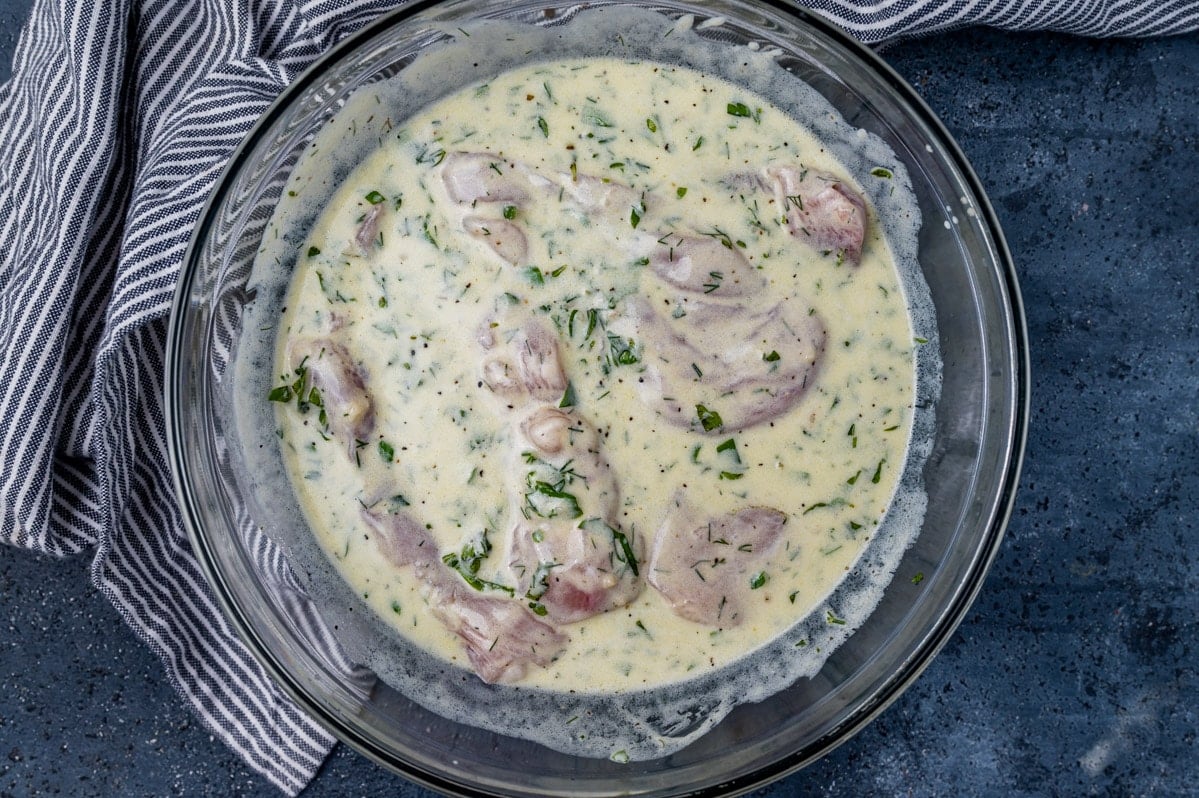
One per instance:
(392,274)
(635,723)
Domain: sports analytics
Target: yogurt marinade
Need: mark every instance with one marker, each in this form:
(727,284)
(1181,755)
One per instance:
(381,275)
(393,274)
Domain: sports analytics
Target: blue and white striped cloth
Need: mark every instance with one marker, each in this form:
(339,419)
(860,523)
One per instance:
(118,118)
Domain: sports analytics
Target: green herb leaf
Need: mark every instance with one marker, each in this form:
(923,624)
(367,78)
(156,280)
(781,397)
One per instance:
(626,551)
(681,191)
(313,252)
(621,546)
(772,356)
(879,171)
(374,198)
(739,109)
(569,399)
(509,211)
(652,125)
(467,562)
(758,580)
(280,394)
(709,419)
(592,116)
(622,351)
(544,126)
(387,451)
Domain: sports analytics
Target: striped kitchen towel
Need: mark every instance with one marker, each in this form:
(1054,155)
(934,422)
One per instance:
(113,129)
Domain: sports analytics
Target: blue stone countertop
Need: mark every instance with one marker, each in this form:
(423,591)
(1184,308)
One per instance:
(1075,671)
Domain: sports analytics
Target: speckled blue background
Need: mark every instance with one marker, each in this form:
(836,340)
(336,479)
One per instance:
(1075,671)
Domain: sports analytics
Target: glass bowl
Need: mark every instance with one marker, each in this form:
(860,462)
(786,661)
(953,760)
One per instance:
(977,415)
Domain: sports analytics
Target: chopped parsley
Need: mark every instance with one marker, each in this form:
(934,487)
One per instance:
(708,419)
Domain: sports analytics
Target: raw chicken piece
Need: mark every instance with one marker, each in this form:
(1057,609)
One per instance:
(820,209)
(480,177)
(595,195)
(478,181)
(705,570)
(364,237)
(501,236)
(348,409)
(746,363)
(502,638)
(527,367)
(705,265)
(566,548)
(471,178)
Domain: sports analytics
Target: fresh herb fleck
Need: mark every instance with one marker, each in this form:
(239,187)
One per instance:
(708,419)
(569,399)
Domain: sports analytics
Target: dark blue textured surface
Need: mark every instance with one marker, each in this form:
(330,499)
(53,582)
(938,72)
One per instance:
(1074,673)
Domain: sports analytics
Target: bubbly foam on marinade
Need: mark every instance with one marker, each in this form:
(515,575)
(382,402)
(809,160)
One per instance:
(641,723)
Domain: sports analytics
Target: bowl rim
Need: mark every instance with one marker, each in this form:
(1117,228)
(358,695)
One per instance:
(1013,437)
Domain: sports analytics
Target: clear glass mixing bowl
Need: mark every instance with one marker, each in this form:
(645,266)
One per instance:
(970,475)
